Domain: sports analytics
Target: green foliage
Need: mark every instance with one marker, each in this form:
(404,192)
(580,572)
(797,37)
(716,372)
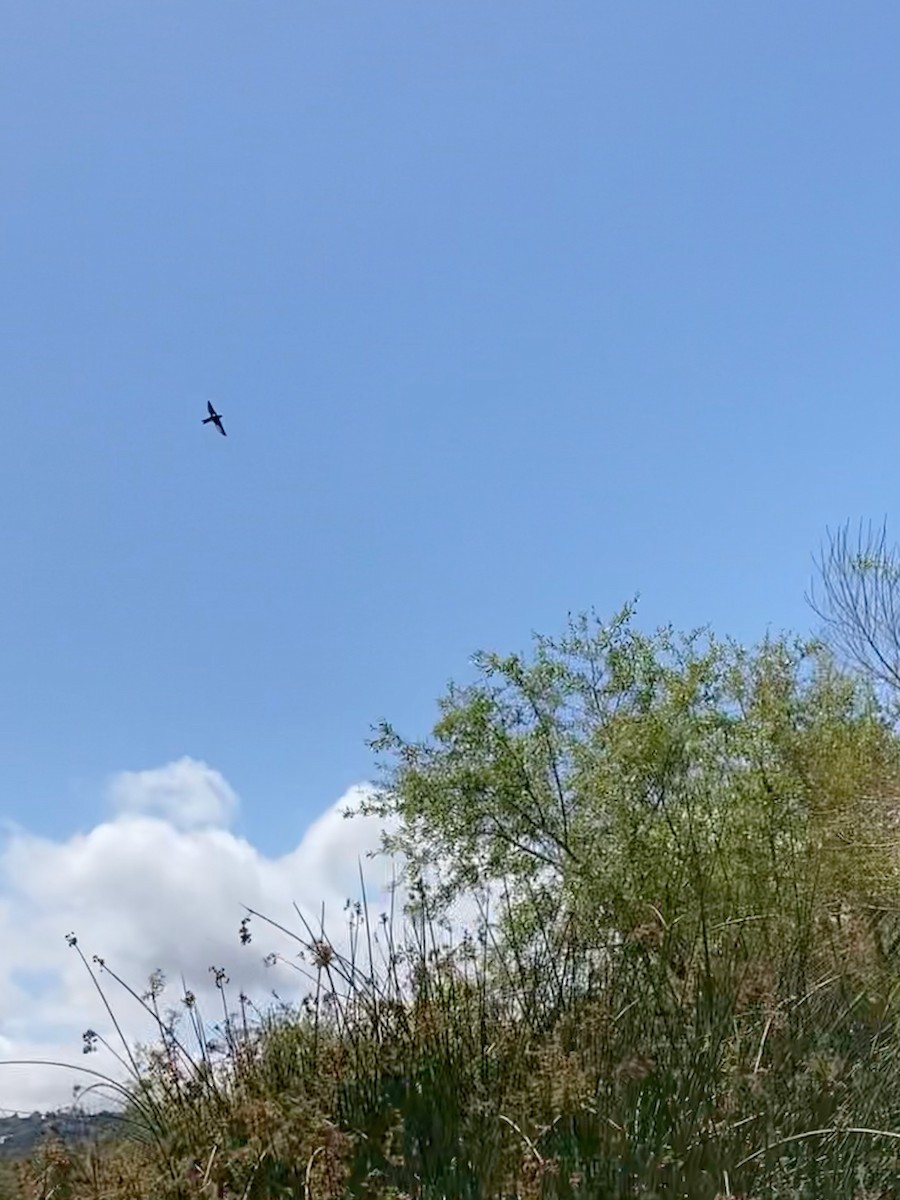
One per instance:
(684,982)
(616,771)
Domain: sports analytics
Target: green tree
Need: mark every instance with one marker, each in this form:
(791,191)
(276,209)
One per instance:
(614,775)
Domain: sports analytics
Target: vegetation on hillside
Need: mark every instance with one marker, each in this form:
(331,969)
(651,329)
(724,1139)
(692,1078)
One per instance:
(683,981)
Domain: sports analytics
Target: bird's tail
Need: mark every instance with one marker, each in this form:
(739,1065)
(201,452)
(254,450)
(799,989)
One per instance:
(206,420)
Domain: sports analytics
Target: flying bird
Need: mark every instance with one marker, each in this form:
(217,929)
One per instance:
(216,419)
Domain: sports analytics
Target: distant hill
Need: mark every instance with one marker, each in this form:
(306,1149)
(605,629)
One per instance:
(20,1135)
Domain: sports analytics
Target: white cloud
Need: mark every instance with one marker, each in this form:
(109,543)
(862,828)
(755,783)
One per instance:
(160,885)
(186,793)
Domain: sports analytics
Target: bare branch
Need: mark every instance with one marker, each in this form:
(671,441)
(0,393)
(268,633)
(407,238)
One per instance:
(859,600)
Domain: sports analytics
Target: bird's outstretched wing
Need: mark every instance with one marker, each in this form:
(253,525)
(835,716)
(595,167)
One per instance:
(221,427)
(212,411)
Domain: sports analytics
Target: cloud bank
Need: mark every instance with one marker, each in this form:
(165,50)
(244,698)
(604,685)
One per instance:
(161,884)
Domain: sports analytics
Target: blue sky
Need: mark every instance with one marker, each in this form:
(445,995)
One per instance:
(511,309)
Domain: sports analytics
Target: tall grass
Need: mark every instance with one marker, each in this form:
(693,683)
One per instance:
(671,1062)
